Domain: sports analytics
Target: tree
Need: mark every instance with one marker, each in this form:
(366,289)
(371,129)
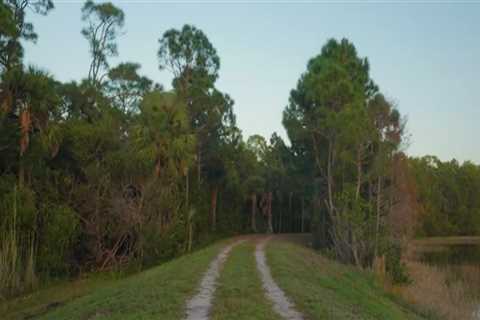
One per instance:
(103,23)
(336,118)
(126,87)
(194,63)
(163,138)
(15,28)
(258,145)
(190,57)
(32,102)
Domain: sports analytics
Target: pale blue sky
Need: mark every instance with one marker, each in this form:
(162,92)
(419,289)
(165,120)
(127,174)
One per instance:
(423,56)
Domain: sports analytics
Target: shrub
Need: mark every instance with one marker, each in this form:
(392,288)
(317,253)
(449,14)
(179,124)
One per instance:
(394,265)
(58,236)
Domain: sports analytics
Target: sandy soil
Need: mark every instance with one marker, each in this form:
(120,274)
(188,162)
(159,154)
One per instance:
(280,302)
(199,306)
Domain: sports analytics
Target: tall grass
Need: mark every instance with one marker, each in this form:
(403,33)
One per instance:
(447,292)
(17,257)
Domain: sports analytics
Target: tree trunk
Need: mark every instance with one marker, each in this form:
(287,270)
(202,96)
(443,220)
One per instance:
(377,227)
(356,258)
(21,173)
(359,173)
(280,216)
(302,227)
(213,212)
(186,189)
(290,195)
(190,236)
(269,212)
(254,211)
(199,166)
(330,179)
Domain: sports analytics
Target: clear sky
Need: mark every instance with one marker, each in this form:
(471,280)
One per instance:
(424,56)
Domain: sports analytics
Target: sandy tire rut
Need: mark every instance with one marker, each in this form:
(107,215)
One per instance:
(281,304)
(199,306)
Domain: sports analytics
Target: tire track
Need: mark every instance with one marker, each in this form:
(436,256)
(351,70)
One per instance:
(199,306)
(281,304)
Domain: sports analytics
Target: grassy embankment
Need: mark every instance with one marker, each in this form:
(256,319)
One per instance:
(158,293)
(324,289)
(320,288)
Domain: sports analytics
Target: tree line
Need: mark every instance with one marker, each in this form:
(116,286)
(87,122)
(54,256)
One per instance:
(114,170)
(447,196)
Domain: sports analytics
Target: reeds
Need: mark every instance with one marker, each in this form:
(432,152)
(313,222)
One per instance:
(17,257)
(449,292)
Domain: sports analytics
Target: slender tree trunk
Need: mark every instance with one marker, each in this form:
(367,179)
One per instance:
(254,211)
(21,173)
(199,166)
(356,257)
(302,227)
(280,216)
(190,236)
(186,190)
(359,173)
(290,195)
(330,179)
(377,227)
(269,212)
(189,228)
(213,213)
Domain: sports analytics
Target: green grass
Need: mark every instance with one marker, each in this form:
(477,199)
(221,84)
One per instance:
(239,295)
(58,293)
(323,289)
(158,293)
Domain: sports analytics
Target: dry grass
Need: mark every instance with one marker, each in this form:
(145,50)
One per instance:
(446,241)
(450,292)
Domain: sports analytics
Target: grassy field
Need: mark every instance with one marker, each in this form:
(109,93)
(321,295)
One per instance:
(323,289)
(240,295)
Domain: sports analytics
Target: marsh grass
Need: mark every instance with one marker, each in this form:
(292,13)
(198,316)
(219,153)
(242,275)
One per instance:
(450,291)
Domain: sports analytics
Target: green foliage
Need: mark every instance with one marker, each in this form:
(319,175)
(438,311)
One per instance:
(395,267)
(60,231)
(344,128)
(447,196)
(14,28)
(126,87)
(190,56)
